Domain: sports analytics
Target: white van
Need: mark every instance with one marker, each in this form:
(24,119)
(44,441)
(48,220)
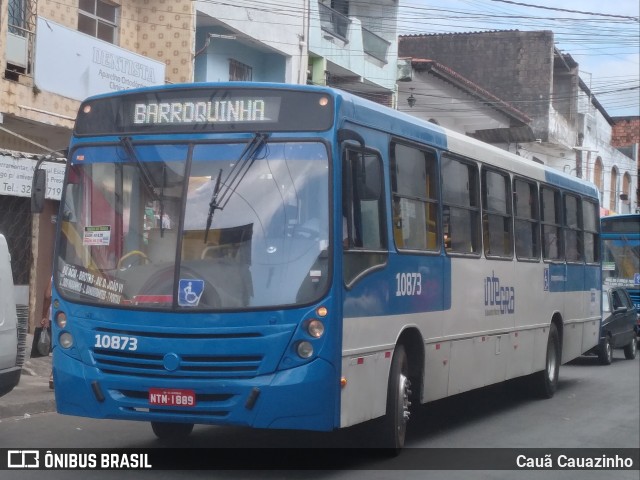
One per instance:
(12,335)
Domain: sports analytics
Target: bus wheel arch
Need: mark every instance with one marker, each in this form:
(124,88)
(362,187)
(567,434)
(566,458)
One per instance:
(413,344)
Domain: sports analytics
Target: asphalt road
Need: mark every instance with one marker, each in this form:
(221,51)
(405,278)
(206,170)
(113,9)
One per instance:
(595,407)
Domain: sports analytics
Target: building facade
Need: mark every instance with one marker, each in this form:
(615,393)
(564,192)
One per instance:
(626,138)
(339,43)
(53,54)
(571,130)
(436,93)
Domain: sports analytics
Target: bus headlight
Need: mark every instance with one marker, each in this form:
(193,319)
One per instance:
(66,340)
(61,319)
(315,328)
(304,349)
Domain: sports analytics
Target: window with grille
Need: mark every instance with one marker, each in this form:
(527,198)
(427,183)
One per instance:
(239,72)
(18,49)
(98,19)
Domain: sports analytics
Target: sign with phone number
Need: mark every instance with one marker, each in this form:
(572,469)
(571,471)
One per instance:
(16,175)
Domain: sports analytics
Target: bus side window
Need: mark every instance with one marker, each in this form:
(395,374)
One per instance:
(461,207)
(363,212)
(590,219)
(551,216)
(496,217)
(527,227)
(574,248)
(414,185)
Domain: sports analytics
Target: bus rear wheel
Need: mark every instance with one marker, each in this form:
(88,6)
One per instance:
(171,431)
(545,382)
(393,426)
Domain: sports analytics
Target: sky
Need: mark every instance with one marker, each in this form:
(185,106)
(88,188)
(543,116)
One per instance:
(603,37)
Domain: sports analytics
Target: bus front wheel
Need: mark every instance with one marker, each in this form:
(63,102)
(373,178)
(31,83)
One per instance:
(393,427)
(171,431)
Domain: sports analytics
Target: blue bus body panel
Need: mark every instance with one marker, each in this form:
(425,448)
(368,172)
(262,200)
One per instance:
(377,293)
(222,358)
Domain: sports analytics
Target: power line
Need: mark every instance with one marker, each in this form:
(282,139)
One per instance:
(635,19)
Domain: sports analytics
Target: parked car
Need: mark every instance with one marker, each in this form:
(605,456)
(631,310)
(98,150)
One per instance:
(619,319)
(11,346)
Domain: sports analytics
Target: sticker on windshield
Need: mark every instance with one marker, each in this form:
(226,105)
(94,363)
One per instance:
(97,235)
(189,292)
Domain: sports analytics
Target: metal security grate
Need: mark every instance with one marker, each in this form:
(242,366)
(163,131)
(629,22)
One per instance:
(23,325)
(15,225)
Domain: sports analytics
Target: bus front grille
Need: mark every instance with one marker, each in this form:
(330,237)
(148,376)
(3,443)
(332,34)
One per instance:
(193,366)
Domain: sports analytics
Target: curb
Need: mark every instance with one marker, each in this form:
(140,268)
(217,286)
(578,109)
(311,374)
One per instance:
(32,395)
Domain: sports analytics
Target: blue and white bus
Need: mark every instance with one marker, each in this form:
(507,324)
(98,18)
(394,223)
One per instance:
(295,257)
(621,255)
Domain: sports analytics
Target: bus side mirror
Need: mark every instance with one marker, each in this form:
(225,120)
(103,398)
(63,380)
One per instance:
(38,190)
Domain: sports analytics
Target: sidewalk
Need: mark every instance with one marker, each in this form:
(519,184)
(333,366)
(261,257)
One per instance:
(32,395)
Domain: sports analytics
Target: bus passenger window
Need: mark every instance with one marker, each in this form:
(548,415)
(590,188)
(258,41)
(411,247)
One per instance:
(590,220)
(573,229)
(414,189)
(496,218)
(551,217)
(461,207)
(527,227)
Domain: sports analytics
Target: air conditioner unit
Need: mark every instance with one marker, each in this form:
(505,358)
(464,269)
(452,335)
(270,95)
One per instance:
(17,50)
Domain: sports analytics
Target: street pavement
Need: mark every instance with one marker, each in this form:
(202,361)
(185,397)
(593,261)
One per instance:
(32,395)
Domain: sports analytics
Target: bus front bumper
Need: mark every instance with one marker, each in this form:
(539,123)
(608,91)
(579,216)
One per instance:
(302,398)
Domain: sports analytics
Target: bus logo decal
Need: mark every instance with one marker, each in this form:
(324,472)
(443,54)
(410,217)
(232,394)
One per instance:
(498,299)
(189,292)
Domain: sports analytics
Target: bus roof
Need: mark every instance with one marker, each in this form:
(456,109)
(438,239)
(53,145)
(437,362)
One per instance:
(373,115)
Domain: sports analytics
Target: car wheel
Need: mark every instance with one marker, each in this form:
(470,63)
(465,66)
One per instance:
(605,352)
(171,431)
(631,350)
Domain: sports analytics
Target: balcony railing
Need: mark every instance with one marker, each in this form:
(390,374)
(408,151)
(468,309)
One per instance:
(333,21)
(375,45)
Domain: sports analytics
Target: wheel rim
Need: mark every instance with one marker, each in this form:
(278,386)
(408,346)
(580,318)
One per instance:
(403,412)
(552,362)
(608,350)
(634,347)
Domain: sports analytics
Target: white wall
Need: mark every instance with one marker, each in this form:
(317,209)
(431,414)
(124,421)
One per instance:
(277,25)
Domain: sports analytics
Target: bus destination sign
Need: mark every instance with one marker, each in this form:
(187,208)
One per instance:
(201,110)
(237,110)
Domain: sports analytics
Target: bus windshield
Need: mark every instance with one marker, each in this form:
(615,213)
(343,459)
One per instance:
(620,261)
(134,227)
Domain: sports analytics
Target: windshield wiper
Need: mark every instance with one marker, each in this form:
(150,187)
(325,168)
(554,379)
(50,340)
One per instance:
(220,196)
(147,179)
